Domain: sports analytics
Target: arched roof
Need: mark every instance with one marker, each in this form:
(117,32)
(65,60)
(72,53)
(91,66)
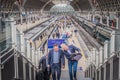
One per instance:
(104,5)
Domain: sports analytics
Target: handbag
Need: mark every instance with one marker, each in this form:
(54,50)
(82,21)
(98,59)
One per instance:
(76,56)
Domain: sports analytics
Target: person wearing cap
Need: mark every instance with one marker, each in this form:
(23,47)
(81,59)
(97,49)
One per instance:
(56,60)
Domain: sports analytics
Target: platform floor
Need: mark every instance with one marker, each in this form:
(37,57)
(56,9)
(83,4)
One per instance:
(24,26)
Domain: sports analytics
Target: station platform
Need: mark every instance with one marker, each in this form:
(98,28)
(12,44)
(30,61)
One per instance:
(25,49)
(30,24)
(81,63)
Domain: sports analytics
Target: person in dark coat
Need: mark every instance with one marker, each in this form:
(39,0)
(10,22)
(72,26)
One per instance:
(43,66)
(58,34)
(56,60)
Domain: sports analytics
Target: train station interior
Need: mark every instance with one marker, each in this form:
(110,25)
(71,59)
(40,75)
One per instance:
(28,28)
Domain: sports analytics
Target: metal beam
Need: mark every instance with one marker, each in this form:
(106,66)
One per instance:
(45,6)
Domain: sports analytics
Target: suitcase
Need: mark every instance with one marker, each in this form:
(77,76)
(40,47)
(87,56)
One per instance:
(40,75)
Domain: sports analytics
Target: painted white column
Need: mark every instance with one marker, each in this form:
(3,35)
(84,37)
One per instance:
(39,55)
(28,18)
(24,69)
(16,66)
(105,51)
(33,56)
(97,59)
(28,49)
(94,50)
(88,61)
(104,66)
(111,69)
(96,74)
(91,57)
(93,70)
(34,74)
(108,21)
(112,43)
(21,18)
(36,61)
(10,31)
(101,56)
(22,41)
(0,24)
(119,66)
(100,74)
(30,66)
(101,19)
(117,23)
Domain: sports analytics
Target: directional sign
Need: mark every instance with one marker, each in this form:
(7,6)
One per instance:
(51,42)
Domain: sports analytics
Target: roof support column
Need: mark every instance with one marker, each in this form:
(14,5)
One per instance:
(112,43)
(101,56)
(28,49)
(99,73)
(117,22)
(101,19)
(10,31)
(33,55)
(104,71)
(119,65)
(0,24)
(108,21)
(22,45)
(111,69)
(105,51)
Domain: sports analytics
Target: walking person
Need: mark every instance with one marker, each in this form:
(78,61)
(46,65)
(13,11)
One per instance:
(75,31)
(53,35)
(58,34)
(72,62)
(56,60)
(44,68)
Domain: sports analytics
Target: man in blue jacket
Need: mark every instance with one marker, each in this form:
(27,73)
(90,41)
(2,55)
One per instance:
(72,64)
(55,59)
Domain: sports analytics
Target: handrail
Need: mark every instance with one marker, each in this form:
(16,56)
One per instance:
(19,52)
(6,53)
(4,50)
(15,52)
(7,59)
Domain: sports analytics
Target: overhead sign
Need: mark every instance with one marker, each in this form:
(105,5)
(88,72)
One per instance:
(51,42)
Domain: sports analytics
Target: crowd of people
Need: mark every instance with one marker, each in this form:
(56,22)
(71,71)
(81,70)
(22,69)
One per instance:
(52,63)
(55,60)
